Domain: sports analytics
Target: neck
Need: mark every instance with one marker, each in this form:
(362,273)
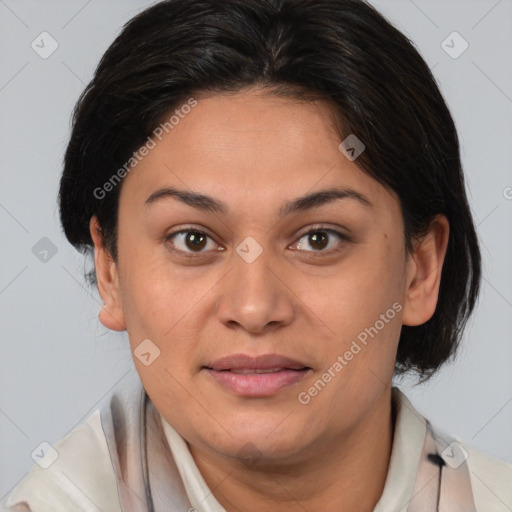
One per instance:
(346,474)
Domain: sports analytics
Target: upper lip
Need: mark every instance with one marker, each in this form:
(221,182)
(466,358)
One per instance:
(261,362)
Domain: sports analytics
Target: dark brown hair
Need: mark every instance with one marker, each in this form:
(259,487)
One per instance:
(343,51)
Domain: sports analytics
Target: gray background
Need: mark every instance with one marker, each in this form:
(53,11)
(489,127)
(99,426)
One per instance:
(58,362)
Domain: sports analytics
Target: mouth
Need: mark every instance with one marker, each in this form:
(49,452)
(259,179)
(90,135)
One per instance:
(259,376)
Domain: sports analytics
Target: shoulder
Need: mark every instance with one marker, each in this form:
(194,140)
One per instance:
(76,474)
(491,480)
(490,477)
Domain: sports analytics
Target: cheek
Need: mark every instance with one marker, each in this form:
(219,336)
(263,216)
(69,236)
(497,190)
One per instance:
(380,274)
(158,310)
(362,306)
(152,296)
(166,305)
(363,288)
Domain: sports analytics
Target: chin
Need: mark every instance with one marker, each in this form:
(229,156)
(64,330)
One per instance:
(256,446)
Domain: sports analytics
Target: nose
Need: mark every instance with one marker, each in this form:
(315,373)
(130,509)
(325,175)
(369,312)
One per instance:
(255,296)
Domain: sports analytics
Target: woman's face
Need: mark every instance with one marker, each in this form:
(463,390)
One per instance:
(255,283)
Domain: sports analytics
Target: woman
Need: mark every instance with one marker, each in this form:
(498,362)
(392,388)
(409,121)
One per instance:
(274,195)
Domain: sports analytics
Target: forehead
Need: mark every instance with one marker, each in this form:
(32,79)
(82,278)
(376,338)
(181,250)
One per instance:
(249,145)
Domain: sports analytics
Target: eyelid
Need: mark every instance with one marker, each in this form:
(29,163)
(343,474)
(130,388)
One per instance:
(325,228)
(187,229)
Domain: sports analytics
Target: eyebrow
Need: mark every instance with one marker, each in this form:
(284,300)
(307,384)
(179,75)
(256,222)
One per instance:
(300,204)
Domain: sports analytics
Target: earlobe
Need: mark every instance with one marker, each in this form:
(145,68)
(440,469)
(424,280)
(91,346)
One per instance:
(111,314)
(424,273)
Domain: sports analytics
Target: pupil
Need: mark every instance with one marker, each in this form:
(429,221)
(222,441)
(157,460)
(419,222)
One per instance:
(314,239)
(197,240)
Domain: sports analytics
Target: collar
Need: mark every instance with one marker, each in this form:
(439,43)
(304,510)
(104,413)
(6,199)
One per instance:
(421,477)
(408,440)
(128,447)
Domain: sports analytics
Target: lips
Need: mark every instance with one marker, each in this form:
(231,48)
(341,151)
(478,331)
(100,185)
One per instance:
(243,363)
(258,376)
(246,371)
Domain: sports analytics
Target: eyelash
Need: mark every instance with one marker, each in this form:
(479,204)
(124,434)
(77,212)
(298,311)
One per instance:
(315,229)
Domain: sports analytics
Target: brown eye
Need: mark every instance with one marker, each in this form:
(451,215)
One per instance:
(189,241)
(319,239)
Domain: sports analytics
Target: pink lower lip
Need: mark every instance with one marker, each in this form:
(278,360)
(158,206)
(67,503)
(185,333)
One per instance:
(257,384)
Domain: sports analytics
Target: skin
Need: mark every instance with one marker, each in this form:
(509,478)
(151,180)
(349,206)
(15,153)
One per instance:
(253,151)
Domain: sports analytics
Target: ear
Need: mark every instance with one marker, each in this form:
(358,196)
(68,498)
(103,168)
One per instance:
(111,314)
(424,268)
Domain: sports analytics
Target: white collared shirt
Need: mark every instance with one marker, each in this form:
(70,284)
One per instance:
(82,478)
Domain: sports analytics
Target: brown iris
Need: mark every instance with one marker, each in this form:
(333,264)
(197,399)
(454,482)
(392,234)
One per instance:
(195,240)
(318,238)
